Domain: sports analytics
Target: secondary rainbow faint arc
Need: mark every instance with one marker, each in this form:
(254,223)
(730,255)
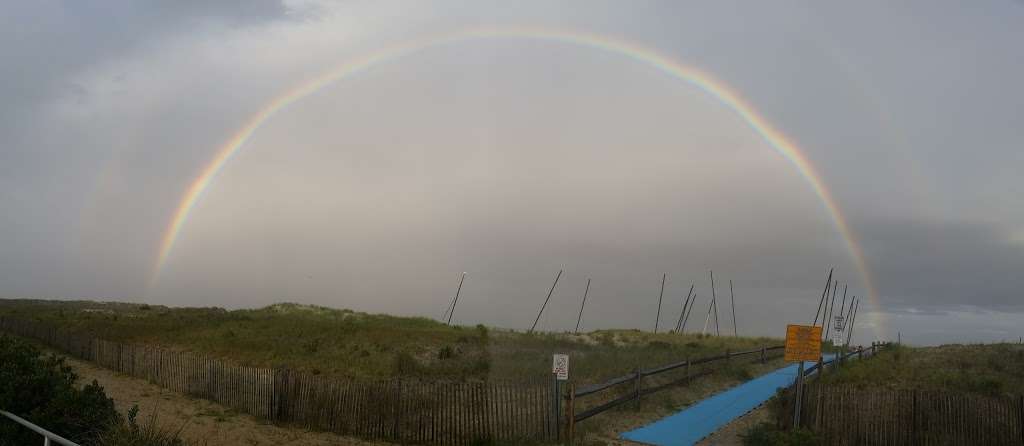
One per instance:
(693,76)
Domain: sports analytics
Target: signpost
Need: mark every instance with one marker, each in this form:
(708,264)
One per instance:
(838,328)
(560,367)
(803,343)
(560,371)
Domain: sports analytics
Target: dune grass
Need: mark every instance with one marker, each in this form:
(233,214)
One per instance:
(989,369)
(341,342)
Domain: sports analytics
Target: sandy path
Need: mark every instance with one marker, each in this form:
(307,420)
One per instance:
(201,421)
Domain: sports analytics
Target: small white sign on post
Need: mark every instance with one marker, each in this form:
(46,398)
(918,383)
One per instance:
(838,329)
(560,366)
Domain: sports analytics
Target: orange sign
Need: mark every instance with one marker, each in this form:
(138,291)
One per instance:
(803,343)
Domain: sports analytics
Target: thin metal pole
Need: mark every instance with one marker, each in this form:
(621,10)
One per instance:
(707,318)
(732,297)
(545,302)
(455,300)
(578,319)
(853,319)
(693,301)
(682,313)
(842,310)
(828,318)
(715,300)
(660,295)
(828,283)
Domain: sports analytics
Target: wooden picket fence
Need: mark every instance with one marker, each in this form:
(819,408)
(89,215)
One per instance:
(849,415)
(394,410)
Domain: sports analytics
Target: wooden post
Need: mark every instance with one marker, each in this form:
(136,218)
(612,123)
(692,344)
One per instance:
(798,394)
(763,350)
(913,419)
(556,408)
(1020,415)
(636,386)
(570,413)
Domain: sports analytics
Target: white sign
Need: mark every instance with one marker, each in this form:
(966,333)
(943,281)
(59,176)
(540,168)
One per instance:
(838,329)
(560,366)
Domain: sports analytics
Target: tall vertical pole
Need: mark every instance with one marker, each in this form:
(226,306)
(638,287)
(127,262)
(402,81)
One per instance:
(456,299)
(715,301)
(661,294)
(545,302)
(828,284)
(580,317)
(732,297)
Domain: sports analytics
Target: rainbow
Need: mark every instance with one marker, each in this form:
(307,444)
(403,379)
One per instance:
(717,89)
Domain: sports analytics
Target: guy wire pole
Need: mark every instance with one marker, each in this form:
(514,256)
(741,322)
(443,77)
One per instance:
(545,302)
(660,295)
(456,299)
(715,300)
(732,297)
(686,303)
(578,319)
(828,284)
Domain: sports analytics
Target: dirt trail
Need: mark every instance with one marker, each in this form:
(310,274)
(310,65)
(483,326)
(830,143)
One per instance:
(202,421)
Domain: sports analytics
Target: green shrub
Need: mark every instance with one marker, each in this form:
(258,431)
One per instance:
(41,389)
(131,434)
(766,434)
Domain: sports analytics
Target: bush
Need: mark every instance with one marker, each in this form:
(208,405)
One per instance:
(131,434)
(766,434)
(41,389)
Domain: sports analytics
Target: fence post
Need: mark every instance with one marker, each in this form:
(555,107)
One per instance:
(799,394)
(687,370)
(556,407)
(1020,413)
(913,418)
(570,414)
(763,354)
(636,386)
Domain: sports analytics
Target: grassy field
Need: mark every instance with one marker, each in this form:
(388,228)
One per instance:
(989,369)
(347,343)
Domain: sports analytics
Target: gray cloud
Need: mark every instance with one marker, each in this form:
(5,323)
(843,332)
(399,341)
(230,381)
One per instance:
(510,159)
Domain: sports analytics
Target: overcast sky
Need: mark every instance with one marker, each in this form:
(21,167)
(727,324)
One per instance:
(511,158)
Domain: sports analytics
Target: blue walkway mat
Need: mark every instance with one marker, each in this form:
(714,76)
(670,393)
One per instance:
(700,420)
